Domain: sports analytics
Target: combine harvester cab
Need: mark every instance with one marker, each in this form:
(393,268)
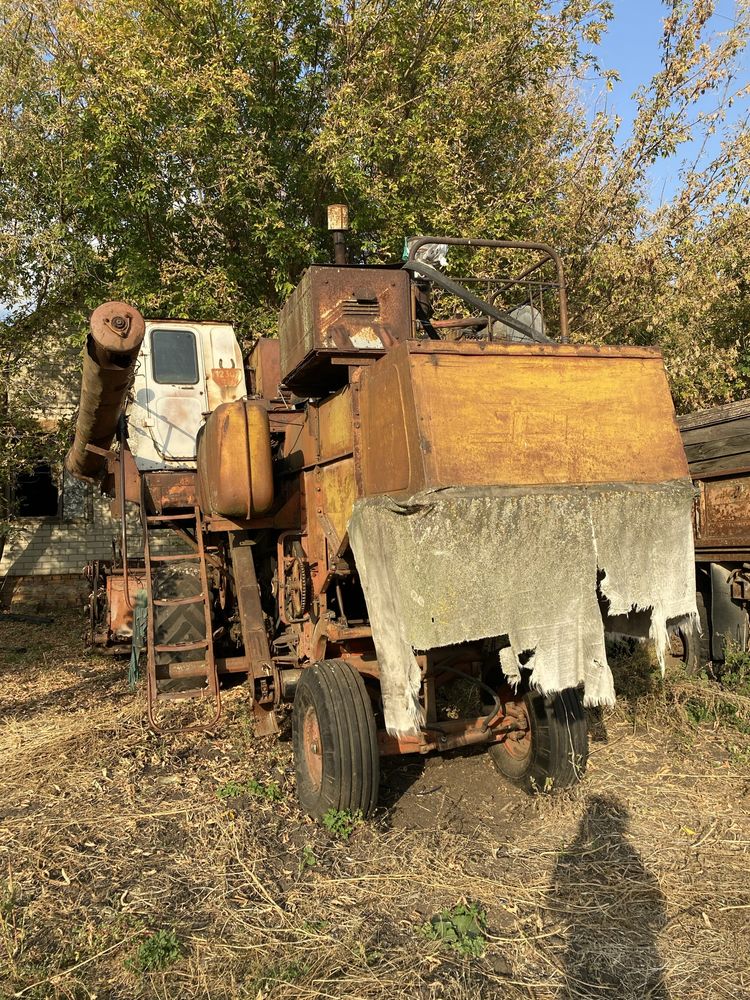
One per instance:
(417,523)
(177,373)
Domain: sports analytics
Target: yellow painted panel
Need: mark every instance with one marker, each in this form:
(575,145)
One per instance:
(526,419)
(337,481)
(335,424)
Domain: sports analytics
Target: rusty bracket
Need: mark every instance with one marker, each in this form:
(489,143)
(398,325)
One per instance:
(261,668)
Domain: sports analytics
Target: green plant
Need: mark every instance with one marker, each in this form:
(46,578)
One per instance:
(341,822)
(735,675)
(308,859)
(278,973)
(462,928)
(158,951)
(230,790)
(270,790)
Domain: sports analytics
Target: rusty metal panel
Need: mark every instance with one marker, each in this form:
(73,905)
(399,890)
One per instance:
(234,461)
(335,432)
(337,493)
(390,452)
(264,366)
(120,610)
(222,362)
(165,490)
(337,313)
(516,415)
(326,433)
(722,518)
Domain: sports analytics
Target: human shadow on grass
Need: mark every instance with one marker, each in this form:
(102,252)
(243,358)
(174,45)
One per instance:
(610,909)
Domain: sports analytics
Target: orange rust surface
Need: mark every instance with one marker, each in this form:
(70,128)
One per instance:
(234,461)
(436,415)
(723,513)
(120,615)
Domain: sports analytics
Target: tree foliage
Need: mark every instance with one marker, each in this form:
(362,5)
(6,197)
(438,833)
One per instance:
(180,155)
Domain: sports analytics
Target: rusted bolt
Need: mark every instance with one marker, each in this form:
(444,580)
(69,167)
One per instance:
(119,322)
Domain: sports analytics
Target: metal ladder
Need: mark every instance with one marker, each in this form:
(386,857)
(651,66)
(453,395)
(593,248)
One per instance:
(209,672)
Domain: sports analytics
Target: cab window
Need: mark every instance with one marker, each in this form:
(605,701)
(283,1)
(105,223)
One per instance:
(174,357)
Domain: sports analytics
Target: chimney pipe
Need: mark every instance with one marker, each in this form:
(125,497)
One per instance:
(338,225)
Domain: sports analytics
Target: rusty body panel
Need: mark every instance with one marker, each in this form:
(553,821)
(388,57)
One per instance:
(527,415)
(717,445)
(340,313)
(722,517)
(120,606)
(165,490)
(264,368)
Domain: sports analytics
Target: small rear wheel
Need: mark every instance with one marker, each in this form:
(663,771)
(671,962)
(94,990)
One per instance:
(550,748)
(697,640)
(335,741)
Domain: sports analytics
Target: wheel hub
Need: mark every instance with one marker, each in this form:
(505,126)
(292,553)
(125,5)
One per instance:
(312,747)
(517,744)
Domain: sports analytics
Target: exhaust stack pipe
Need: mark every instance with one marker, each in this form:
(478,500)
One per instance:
(338,225)
(109,358)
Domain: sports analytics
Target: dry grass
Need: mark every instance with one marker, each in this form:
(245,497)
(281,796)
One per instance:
(634,885)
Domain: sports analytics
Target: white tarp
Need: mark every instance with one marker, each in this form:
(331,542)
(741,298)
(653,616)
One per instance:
(460,564)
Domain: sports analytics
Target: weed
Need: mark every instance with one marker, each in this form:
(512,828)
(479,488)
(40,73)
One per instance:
(270,790)
(308,859)
(158,951)
(697,711)
(315,926)
(341,822)
(280,973)
(230,790)
(462,928)
(735,675)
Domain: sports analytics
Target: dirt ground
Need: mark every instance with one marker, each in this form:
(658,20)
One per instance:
(135,866)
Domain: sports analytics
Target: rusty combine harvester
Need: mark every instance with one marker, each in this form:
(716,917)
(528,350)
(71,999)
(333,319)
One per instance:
(394,505)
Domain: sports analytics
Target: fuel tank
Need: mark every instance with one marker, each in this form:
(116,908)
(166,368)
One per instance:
(235,477)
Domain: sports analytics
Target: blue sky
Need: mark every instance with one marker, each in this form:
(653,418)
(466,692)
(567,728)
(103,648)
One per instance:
(631,46)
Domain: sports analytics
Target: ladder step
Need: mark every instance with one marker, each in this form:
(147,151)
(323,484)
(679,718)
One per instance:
(173,602)
(155,518)
(180,647)
(175,558)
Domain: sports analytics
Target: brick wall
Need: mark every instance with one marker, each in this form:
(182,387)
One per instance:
(44,593)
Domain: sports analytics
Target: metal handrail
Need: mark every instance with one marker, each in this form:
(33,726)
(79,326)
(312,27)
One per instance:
(414,265)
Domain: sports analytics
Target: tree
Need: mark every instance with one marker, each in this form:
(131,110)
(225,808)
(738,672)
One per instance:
(180,155)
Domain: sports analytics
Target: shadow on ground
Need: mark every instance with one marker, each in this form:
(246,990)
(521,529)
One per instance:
(613,908)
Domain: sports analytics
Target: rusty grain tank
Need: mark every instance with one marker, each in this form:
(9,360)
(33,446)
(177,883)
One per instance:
(422,487)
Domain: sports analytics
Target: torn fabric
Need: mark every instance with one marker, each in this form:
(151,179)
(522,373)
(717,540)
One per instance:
(463,564)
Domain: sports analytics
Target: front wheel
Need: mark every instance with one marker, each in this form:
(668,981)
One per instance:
(336,756)
(550,748)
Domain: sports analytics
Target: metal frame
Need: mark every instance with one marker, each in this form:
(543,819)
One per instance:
(488,309)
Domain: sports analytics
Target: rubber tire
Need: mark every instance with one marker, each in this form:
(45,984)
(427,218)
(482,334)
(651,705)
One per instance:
(335,691)
(559,744)
(699,644)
